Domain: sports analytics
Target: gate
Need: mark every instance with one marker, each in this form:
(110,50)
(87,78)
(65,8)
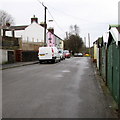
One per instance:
(11,57)
(18,54)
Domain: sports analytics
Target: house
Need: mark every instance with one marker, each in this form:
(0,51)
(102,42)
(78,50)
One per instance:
(29,35)
(59,42)
(26,38)
(8,45)
(21,38)
(53,40)
(113,62)
(34,32)
(50,38)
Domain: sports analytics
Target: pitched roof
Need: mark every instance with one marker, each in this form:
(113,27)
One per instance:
(57,37)
(22,27)
(99,42)
(118,28)
(105,37)
(115,34)
(18,27)
(112,26)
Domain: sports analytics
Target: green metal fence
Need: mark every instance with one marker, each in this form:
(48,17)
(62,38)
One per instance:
(103,63)
(113,70)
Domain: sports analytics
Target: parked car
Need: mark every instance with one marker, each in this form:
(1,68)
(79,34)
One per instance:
(67,53)
(62,55)
(48,54)
(78,55)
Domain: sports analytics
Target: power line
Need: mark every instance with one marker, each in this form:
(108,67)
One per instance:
(78,18)
(51,15)
(40,2)
(55,20)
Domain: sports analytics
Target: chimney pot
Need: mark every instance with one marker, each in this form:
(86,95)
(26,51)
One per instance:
(34,19)
(8,24)
(51,30)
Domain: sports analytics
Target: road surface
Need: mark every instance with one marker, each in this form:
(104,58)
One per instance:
(68,89)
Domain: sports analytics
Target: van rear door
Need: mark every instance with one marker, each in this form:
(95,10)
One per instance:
(45,53)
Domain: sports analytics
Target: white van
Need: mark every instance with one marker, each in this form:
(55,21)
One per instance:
(49,54)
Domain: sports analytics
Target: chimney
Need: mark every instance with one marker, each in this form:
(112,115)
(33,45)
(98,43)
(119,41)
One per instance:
(8,24)
(34,19)
(51,30)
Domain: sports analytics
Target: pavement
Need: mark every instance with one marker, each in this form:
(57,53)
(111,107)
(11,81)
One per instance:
(17,64)
(112,105)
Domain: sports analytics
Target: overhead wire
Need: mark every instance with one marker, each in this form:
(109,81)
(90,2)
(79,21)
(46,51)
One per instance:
(78,18)
(51,16)
(55,20)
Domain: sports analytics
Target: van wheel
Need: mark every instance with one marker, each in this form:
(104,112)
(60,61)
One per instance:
(40,61)
(53,61)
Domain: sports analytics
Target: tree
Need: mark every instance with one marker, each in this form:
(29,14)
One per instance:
(74,42)
(5,18)
(74,29)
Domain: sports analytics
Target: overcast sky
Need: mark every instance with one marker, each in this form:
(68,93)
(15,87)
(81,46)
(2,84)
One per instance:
(92,16)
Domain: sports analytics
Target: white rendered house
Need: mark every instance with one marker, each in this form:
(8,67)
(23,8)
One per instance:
(28,33)
(33,33)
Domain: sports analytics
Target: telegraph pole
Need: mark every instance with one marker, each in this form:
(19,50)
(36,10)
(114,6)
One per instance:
(89,41)
(85,44)
(67,35)
(45,25)
(85,41)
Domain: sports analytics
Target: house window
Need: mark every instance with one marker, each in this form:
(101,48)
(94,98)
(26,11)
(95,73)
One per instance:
(50,39)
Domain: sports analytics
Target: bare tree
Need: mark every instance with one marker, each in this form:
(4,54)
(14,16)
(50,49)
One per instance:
(74,29)
(5,18)
(74,42)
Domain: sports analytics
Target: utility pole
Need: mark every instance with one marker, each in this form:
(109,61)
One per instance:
(45,25)
(85,41)
(67,35)
(85,44)
(89,41)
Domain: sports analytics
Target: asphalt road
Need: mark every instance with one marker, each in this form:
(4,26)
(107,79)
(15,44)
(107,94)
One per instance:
(68,89)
